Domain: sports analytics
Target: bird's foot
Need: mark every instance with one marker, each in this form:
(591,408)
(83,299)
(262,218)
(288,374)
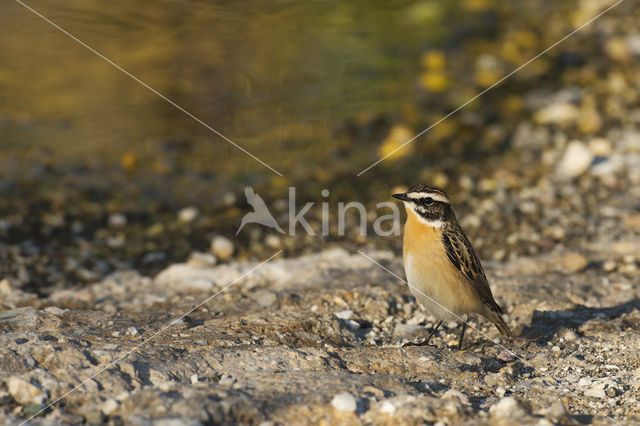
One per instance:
(423,343)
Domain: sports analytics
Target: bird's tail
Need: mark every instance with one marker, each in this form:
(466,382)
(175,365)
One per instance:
(502,326)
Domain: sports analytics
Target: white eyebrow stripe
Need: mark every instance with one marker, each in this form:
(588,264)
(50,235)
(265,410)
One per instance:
(435,196)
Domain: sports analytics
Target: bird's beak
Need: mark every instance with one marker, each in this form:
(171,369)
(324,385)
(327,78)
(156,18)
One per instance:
(401,197)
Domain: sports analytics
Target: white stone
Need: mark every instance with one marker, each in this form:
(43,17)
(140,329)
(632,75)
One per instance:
(194,379)
(600,147)
(344,402)
(562,113)
(345,315)
(132,331)
(117,220)
(222,247)
(507,407)
(452,393)
(109,406)
(188,214)
(187,278)
(24,392)
(584,382)
(576,160)
(273,241)
(226,379)
(387,407)
(202,260)
(595,393)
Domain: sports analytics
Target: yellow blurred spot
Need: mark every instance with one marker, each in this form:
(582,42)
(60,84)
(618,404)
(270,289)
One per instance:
(128,162)
(486,78)
(398,135)
(510,51)
(525,39)
(513,104)
(434,60)
(434,81)
(476,5)
(444,129)
(279,183)
(441,180)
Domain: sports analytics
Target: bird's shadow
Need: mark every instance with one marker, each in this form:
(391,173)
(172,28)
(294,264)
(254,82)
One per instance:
(545,324)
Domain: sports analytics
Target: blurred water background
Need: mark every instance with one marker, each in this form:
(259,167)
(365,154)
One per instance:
(319,90)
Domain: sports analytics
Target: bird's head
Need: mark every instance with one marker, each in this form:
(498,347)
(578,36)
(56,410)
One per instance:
(429,203)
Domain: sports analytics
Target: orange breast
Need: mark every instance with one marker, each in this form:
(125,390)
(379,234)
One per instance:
(436,283)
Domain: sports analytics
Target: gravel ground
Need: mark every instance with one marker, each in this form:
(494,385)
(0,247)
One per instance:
(319,339)
(93,264)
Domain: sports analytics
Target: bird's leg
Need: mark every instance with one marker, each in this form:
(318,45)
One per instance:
(464,327)
(433,332)
(426,342)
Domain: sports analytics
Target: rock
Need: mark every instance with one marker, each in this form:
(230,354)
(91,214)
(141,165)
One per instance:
(575,161)
(561,113)
(187,278)
(595,392)
(94,417)
(569,336)
(109,406)
(188,214)
(226,379)
(19,318)
(265,298)
(506,408)
(117,220)
(222,247)
(600,147)
(273,241)
(557,413)
(574,262)
(344,402)
(345,315)
(23,392)
(387,407)
(32,409)
(609,265)
(200,259)
(452,393)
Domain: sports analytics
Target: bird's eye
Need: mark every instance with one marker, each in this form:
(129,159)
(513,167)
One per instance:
(428,201)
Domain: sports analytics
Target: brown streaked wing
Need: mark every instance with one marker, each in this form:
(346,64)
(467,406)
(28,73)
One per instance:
(463,257)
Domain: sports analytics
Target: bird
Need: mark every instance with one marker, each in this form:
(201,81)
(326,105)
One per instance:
(260,213)
(442,269)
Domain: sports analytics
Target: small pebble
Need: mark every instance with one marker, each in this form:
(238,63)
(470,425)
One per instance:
(576,160)
(132,331)
(388,407)
(188,214)
(226,379)
(609,266)
(117,220)
(344,402)
(202,260)
(194,379)
(345,315)
(222,247)
(574,262)
(109,406)
(506,408)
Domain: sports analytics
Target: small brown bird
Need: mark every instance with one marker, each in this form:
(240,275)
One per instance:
(442,269)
